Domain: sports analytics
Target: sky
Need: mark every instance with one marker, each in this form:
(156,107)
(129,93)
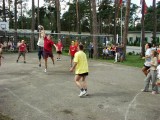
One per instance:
(148,2)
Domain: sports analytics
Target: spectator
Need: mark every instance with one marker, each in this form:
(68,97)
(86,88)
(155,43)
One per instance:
(105,52)
(1,49)
(147,59)
(152,74)
(90,47)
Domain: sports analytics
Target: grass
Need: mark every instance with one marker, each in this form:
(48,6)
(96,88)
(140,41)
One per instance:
(131,60)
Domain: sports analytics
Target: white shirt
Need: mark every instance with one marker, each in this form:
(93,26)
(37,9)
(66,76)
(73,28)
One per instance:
(148,60)
(105,51)
(158,71)
(40,42)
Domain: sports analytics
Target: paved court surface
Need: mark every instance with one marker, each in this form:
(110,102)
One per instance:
(27,93)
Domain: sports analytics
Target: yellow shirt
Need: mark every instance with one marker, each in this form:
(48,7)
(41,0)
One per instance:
(82,64)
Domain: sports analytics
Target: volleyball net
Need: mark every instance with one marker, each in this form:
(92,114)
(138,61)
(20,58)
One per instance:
(10,42)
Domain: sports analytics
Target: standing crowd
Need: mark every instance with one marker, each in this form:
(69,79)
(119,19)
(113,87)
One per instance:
(151,68)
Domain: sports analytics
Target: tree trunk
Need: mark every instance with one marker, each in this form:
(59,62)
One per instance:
(94,27)
(38,14)
(91,19)
(154,22)
(58,18)
(15,21)
(125,34)
(4,11)
(32,27)
(9,5)
(78,19)
(21,15)
(142,31)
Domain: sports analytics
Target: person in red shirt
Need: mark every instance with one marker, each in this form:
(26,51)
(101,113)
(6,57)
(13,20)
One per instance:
(22,50)
(72,51)
(76,43)
(59,49)
(47,52)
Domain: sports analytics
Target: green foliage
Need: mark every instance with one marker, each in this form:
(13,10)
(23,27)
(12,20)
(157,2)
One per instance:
(69,18)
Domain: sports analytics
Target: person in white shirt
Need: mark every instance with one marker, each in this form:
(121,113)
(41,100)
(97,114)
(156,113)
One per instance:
(147,59)
(152,74)
(158,76)
(40,43)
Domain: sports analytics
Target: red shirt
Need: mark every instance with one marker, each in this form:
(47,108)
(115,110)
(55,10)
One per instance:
(48,44)
(22,47)
(59,46)
(73,50)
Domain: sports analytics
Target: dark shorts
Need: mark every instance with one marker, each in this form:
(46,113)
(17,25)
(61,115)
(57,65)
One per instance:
(47,54)
(146,67)
(83,74)
(22,53)
(59,52)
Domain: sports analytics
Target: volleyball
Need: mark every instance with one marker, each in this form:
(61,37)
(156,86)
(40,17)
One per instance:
(40,27)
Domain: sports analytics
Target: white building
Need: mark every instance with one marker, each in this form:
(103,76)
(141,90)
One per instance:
(136,36)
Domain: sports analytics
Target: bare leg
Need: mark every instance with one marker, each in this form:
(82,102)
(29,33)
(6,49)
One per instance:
(77,81)
(71,61)
(84,83)
(45,63)
(18,57)
(52,58)
(40,62)
(59,56)
(24,58)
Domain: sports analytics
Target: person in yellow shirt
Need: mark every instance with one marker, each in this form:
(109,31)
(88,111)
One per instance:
(81,70)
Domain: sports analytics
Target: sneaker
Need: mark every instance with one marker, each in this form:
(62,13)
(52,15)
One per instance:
(82,93)
(85,93)
(45,70)
(154,93)
(143,90)
(59,59)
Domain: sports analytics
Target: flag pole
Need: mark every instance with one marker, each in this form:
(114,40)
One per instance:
(142,30)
